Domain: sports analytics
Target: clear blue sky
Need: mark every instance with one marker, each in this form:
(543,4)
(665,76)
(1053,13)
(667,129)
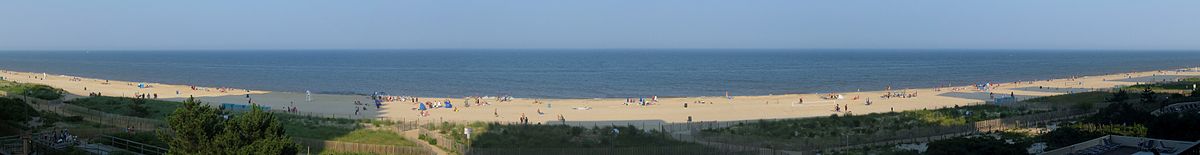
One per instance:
(388,24)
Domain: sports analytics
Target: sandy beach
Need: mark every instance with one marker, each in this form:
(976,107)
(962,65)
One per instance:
(717,108)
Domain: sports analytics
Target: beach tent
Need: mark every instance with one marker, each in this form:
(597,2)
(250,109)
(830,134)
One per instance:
(421,106)
(448,105)
(141,85)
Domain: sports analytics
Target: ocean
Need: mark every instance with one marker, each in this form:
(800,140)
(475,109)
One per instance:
(593,73)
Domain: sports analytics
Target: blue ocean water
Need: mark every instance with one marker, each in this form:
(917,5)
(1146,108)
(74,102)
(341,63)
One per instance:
(548,73)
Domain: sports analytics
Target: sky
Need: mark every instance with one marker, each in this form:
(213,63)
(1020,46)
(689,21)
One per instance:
(599,24)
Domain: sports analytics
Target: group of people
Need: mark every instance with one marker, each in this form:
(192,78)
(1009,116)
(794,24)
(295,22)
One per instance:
(60,139)
(144,96)
(642,101)
(846,107)
(397,98)
(899,95)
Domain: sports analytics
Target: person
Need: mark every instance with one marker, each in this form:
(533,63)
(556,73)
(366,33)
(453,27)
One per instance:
(837,108)
(868,101)
(355,110)
(689,119)
(562,119)
(496,112)
(685,105)
(523,119)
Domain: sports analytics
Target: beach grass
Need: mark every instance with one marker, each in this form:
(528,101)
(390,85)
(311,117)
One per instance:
(870,123)
(144,108)
(374,137)
(339,129)
(561,136)
(1084,97)
(1182,84)
(32,90)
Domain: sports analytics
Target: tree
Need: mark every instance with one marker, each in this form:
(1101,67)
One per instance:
(1148,96)
(201,129)
(1120,113)
(1176,126)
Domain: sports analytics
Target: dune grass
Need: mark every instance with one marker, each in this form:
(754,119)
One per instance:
(144,108)
(870,123)
(1085,97)
(32,90)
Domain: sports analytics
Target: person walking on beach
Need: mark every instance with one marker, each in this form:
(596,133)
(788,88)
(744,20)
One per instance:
(562,119)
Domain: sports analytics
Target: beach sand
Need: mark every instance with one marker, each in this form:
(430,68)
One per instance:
(612,109)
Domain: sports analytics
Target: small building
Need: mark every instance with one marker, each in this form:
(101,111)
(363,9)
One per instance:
(1125,145)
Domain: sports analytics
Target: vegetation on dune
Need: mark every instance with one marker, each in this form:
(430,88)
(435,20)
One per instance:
(1084,97)
(13,115)
(14,110)
(374,137)
(32,90)
(1182,84)
(561,136)
(144,108)
(871,123)
(454,131)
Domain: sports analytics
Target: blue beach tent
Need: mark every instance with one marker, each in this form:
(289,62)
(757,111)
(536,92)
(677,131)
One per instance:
(421,107)
(448,105)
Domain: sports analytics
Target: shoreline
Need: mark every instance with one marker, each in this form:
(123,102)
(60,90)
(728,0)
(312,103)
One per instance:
(666,109)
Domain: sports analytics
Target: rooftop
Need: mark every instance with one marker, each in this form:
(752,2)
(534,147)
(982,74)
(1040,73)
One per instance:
(1124,145)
